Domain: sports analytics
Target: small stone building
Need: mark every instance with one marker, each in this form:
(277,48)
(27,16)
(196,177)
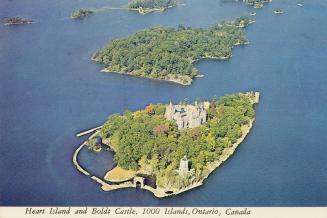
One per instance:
(98,140)
(138,181)
(183,166)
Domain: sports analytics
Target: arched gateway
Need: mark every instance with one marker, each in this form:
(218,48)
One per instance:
(138,181)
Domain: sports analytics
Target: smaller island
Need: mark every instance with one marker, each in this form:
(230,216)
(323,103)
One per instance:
(148,6)
(16,21)
(81,13)
(256,3)
(278,11)
(242,22)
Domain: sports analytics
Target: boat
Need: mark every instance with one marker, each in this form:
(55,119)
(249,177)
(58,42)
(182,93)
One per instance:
(278,11)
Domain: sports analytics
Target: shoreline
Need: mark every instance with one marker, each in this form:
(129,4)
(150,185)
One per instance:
(161,192)
(107,70)
(178,81)
(227,153)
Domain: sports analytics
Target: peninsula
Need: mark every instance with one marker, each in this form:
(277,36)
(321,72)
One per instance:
(171,148)
(16,21)
(147,6)
(165,53)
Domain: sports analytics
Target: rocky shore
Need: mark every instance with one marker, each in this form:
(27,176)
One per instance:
(182,80)
(186,80)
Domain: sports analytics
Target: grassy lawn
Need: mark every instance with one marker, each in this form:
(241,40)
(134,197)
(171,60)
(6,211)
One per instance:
(119,174)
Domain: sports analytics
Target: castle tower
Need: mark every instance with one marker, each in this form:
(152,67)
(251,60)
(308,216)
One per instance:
(169,111)
(183,165)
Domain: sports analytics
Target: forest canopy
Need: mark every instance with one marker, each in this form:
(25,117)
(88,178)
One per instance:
(168,53)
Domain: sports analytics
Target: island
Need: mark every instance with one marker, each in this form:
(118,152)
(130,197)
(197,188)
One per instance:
(168,54)
(16,21)
(81,13)
(147,6)
(278,11)
(171,148)
(256,3)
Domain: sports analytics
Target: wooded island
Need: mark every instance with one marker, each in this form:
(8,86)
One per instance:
(16,21)
(171,148)
(256,3)
(81,13)
(168,54)
(147,6)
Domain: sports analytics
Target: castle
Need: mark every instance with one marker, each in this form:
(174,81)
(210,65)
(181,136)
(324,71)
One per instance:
(188,116)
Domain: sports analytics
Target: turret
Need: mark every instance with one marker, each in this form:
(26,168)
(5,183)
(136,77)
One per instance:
(183,165)
(169,111)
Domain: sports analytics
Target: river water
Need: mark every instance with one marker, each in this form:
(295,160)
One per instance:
(50,90)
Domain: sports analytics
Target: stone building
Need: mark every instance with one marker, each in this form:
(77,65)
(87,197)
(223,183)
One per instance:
(184,170)
(183,166)
(187,116)
(138,181)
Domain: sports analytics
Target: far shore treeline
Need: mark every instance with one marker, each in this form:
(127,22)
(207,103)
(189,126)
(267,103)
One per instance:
(168,53)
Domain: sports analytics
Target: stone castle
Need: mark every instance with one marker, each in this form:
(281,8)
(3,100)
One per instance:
(187,116)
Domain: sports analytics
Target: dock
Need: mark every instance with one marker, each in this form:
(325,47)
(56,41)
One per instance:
(88,131)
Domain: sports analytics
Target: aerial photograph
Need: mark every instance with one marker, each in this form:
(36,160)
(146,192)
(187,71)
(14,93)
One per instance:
(163,103)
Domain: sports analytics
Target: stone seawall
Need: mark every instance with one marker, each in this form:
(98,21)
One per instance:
(78,166)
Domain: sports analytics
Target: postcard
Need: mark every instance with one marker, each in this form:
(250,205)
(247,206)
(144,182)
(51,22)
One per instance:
(163,108)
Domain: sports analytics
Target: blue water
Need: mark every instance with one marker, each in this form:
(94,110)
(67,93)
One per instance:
(50,90)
